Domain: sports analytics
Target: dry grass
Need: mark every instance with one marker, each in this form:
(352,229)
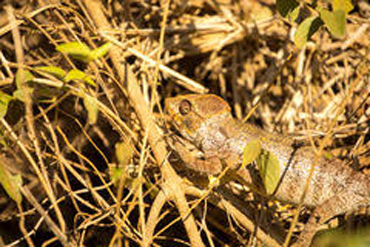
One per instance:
(240,50)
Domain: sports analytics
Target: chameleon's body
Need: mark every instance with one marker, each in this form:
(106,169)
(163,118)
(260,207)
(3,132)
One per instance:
(207,122)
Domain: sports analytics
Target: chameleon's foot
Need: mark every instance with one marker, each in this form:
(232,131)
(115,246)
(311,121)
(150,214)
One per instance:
(307,235)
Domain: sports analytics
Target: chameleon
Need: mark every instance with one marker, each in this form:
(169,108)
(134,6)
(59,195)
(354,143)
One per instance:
(206,121)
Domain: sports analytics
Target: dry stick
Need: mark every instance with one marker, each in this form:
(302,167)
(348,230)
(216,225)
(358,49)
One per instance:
(57,151)
(100,200)
(182,80)
(137,196)
(149,226)
(60,199)
(10,26)
(355,36)
(246,222)
(114,119)
(53,227)
(96,195)
(153,217)
(29,234)
(234,84)
(340,108)
(50,38)
(171,181)
(155,99)
(5,63)
(161,41)
(84,158)
(144,155)
(234,211)
(28,157)
(110,115)
(20,59)
(30,119)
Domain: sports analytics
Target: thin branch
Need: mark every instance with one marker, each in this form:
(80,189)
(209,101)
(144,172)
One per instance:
(172,182)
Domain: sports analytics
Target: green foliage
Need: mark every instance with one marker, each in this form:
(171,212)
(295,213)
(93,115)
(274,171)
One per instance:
(3,138)
(268,164)
(345,5)
(22,78)
(100,51)
(269,169)
(76,50)
(334,20)
(124,154)
(4,101)
(306,29)
(11,184)
(339,237)
(92,109)
(328,155)
(72,75)
(78,75)
(52,70)
(251,151)
(82,52)
(288,9)
(115,174)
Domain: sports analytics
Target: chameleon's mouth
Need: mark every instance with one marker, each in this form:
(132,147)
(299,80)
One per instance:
(179,128)
(170,109)
(170,106)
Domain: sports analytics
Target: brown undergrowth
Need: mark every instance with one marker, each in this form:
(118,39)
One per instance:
(111,179)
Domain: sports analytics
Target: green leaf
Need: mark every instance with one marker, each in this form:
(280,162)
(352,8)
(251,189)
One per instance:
(306,29)
(115,174)
(340,237)
(11,184)
(78,75)
(52,70)
(294,14)
(4,101)
(76,50)
(22,78)
(288,9)
(100,51)
(269,169)
(124,152)
(335,21)
(251,152)
(345,5)
(328,155)
(20,94)
(92,109)
(3,138)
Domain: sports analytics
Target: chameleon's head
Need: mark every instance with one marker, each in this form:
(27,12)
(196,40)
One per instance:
(192,113)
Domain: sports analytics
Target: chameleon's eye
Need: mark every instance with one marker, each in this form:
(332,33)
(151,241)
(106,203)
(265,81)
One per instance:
(185,107)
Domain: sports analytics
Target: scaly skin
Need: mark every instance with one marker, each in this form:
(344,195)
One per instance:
(206,121)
